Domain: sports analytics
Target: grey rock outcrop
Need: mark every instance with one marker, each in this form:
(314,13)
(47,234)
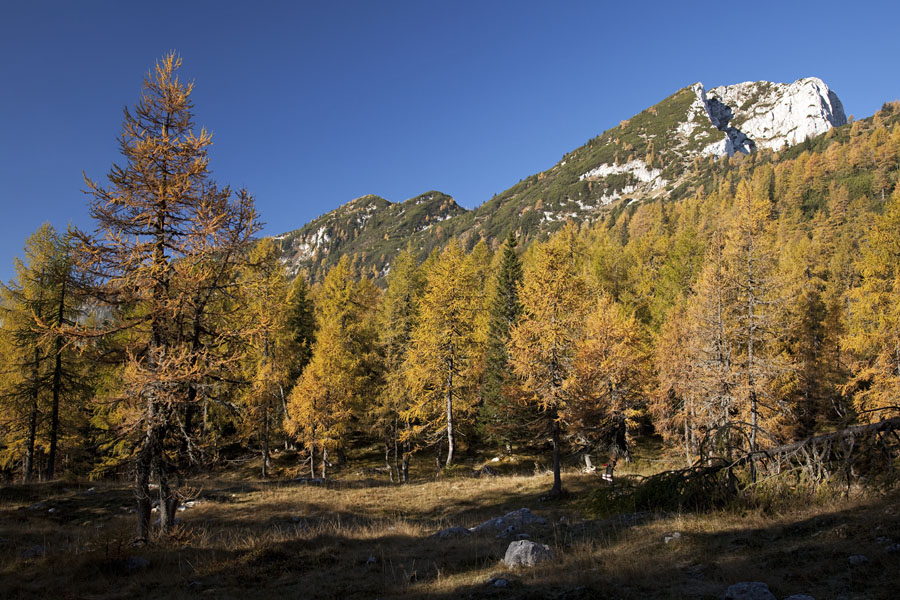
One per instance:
(762,114)
(525,553)
(451,532)
(517,519)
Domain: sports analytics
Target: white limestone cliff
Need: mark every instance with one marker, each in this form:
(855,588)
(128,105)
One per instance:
(762,114)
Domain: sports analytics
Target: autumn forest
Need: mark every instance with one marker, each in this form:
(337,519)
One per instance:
(760,310)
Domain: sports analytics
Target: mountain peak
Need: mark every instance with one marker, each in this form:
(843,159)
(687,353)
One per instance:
(763,114)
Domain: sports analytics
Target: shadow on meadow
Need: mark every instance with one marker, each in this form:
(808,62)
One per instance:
(349,541)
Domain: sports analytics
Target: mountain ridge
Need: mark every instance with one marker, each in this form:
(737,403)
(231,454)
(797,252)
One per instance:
(650,155)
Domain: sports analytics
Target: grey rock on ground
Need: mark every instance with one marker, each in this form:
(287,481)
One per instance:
(519,518)
(800,597)
(525,553)
(451,532)
(672,537)
(511,530)
(749,590)
(858,559)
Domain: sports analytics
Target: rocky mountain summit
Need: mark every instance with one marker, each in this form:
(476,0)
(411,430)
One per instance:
(653,154)
(761,114)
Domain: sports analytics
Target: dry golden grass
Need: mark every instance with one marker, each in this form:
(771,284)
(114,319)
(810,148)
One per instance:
(361,537)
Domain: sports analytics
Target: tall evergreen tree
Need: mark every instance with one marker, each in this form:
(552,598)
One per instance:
(164,253)
(397,318)
(873,334)
(270,349)
(751,267)
(441,368)
(499,414)
(331,386)
(544,343)
(42,372)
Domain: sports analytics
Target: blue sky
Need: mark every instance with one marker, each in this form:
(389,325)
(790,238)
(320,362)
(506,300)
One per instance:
(315,103)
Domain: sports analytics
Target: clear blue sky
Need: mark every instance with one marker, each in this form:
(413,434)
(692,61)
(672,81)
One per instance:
(315,103)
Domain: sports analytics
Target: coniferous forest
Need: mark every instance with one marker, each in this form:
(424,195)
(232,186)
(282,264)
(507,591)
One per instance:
(736,348)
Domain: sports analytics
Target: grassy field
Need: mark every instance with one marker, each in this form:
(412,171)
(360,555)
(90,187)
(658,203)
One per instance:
(359,536)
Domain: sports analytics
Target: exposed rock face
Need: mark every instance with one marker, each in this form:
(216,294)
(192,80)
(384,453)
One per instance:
(524,553)
(767,115)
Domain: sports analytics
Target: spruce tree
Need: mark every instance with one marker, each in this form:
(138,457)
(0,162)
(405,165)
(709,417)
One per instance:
(499,416)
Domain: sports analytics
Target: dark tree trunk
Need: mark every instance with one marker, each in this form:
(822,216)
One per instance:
(32,419)
(556,490)
(142,488)
(32,434)
(54,410)
(265,441)
(57,382)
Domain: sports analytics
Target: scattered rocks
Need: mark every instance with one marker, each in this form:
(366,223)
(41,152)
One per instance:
(525,553)
(509,531)
(748,590)
(451,532)
(883,540)
(893,548)
(672,537)
(519,518)
(858,559)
